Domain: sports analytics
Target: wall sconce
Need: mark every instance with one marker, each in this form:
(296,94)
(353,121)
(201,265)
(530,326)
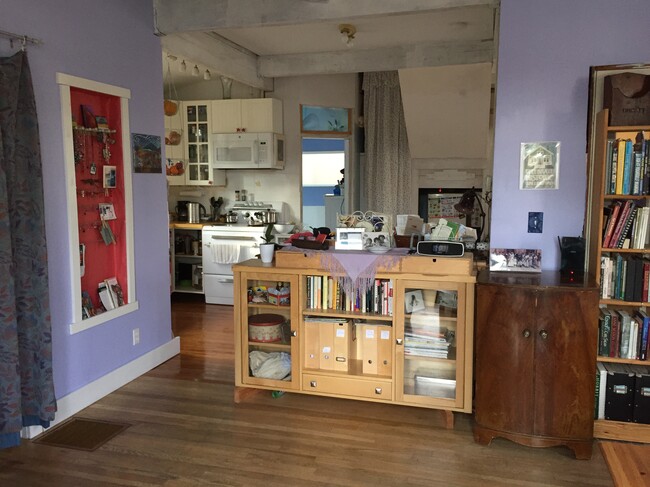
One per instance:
(207,75)
(466,207)
(347,34)
(195,70)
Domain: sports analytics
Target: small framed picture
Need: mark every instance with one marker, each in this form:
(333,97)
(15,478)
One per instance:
(325,120)
(110,176)
(539,165)
(413,301)
(349,239)
(376,240)
(516,260)
(107,211)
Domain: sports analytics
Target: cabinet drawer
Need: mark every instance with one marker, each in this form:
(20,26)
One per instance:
(348,386)
(421,264)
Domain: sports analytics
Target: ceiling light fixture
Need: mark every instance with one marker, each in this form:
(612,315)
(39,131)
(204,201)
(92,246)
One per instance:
(207,75)
(347,34)
(195,70)
(183,67)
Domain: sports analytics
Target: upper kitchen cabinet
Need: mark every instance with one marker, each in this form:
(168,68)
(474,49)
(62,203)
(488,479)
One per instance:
(189,162)
(247,115)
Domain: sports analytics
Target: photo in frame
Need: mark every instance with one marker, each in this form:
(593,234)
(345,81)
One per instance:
(147,156)
(539,165)
(375,240)
(516,260)
(107,211)
(110,177)
(325,120)
(413,301)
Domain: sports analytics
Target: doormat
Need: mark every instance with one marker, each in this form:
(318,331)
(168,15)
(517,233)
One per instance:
(82,434)
(628,463)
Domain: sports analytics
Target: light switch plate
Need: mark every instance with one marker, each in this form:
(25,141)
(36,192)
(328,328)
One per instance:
(535,221)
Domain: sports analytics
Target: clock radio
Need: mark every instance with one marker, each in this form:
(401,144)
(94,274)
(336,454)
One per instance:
(443,249)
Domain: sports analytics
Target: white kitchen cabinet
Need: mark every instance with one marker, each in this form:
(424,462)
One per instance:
(247,115)
(195,149)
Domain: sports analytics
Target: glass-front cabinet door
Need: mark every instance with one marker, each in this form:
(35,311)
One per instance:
(197,118)
(269,325)
(430,342)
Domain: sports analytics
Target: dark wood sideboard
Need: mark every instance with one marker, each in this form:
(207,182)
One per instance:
(536,337)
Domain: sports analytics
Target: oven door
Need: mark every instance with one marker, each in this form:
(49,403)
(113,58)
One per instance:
(222,250)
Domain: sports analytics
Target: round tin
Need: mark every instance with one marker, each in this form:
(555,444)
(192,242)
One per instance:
(265,327)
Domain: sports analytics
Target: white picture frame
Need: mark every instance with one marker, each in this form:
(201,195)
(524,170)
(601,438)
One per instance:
(539,165)
(516,260)
(349,239)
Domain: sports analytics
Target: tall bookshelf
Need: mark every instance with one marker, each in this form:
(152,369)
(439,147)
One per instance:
(600,198)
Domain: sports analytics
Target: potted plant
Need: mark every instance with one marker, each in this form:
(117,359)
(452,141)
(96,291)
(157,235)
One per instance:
(268,247)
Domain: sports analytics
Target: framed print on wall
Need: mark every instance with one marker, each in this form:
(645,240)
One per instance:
(146,153)
(325,120)
(539,165)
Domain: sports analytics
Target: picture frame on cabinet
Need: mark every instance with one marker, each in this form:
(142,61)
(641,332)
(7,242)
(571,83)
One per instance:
(110,177)
(516,260)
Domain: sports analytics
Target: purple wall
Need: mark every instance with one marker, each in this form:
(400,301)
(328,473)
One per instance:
(111,42)
(545,50)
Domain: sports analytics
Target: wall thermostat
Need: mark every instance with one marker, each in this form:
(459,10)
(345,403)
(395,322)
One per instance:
(443,249)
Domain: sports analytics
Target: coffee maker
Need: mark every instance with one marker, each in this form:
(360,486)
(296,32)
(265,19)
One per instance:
(181,211)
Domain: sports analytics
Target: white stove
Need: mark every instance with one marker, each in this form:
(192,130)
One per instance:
(228,244)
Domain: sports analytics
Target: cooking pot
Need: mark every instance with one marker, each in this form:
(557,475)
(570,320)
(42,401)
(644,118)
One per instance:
(267,216)
(194,212)
(231,217)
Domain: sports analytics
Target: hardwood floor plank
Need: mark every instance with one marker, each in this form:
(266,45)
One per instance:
(188,431)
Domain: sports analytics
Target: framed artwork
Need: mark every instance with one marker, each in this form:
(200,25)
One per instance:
(516,260)
(539,165)
(413,301)
(110,177)
(325,120)
(147,157)
(376,240)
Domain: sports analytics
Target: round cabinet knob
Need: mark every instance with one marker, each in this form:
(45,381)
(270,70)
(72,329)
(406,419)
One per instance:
(543,334)
(526,333)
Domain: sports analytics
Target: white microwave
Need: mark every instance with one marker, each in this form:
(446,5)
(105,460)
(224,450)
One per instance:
(248,151)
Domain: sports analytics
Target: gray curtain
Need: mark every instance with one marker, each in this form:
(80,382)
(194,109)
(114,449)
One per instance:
(386,178)
(26,387)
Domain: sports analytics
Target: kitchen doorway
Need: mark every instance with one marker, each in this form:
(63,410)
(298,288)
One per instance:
(323,166)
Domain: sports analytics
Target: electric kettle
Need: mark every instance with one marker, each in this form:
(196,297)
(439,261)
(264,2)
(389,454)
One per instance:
(195,211)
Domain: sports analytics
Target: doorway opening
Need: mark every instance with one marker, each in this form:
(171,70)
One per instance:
(323,165)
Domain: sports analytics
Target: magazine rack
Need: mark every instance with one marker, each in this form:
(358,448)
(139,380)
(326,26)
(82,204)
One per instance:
(99,193)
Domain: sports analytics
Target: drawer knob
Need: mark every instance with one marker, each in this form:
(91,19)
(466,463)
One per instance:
(294,333)
(313,383)
(398,341)
(377,390)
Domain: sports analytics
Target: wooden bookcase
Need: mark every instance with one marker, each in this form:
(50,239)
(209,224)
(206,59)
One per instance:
(363,354)
(599,199)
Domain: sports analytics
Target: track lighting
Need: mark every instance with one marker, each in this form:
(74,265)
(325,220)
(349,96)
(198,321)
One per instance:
(183,67)
(347,34)
(207,75)
(195,70)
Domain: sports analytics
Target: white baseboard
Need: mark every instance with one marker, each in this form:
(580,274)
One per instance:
(81,398)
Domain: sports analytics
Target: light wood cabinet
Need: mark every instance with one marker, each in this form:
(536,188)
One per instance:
(535,354)
(408,340)
(247,115)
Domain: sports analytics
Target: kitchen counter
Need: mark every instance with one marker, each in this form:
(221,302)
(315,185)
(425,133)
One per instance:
(188,226)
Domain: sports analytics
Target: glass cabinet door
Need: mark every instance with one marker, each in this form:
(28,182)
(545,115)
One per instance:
(269,326)
(198,147)
(430,334)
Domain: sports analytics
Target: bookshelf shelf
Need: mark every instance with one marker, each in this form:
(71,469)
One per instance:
(345,314)
(619,162)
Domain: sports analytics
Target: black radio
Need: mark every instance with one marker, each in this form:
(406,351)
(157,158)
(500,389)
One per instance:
(443,249)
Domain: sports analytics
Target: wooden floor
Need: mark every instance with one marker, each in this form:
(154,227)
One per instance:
(187,431)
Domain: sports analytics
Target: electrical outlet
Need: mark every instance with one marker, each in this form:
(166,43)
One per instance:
(136,336)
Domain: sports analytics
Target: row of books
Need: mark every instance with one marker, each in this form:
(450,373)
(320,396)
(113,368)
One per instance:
(325,292)
(627,166)
(625,278)
(623,334)
(625,225)
(622,393)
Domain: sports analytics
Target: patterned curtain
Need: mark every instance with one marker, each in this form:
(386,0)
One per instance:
(26,388)
(386,179)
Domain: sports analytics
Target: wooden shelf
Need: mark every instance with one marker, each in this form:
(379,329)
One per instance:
(626,251)
(618,302)
(276,346)
(270,306)
(354,370)
(626,196)
(335,313)
(616,360)
(617,430)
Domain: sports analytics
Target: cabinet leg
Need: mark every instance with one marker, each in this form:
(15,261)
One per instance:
(448,417)
(482,436)
(581,449)
(243,393)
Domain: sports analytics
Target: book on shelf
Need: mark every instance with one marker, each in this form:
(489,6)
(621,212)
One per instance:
(605,330)
(601,387)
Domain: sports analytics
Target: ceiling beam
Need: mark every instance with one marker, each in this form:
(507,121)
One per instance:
(219,56)
(173,16)
(386,59)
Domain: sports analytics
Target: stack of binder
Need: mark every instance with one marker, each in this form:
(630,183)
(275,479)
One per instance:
(623,393)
